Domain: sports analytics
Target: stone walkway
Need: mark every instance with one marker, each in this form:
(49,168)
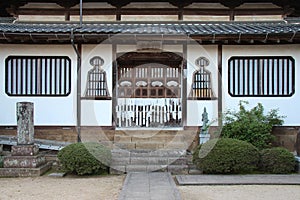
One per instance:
(293,179)
(149,186)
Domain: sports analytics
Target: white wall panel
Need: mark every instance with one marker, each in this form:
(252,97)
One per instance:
(96,112)
(195,107)
(59,111)
(288,106)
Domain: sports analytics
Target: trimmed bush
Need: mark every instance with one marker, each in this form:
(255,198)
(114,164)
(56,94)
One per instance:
(253,126)
(226,156)
(85,158)
(277,160)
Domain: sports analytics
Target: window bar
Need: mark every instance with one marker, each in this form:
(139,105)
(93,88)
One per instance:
(263,82)
(254,66)
(30,77)
(26,76)
(244,78)
(283,66)
(65,77)
(239,76)
(273,77)
(233,78)
(44,60)
(287,77)
(248,76)
(230,71)
(12,76)
(278,76)
(17,76)
(60,75)
(259,66)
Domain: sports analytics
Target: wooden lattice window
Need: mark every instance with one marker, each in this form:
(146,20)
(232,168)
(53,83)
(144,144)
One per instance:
(202,83)
(96,81)
(149,81)
(38,76)
(266,76)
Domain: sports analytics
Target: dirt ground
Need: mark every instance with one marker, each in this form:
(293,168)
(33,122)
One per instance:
(238,192)
(109,187)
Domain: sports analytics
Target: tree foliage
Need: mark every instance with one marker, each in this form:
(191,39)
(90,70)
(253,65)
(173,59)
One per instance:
(253,126)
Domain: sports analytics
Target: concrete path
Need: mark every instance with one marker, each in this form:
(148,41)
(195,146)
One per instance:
(293,179)
(149,186)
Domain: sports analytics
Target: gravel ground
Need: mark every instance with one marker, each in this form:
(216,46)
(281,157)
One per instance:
(109,187)
(238,192)
(67,188)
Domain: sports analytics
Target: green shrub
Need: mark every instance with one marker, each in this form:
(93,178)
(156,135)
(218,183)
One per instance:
(226,156)
(1,161)
(252,125)
(85,158)
(277,160)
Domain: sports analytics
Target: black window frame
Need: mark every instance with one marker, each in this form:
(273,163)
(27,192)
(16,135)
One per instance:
(36,76)
(264,71)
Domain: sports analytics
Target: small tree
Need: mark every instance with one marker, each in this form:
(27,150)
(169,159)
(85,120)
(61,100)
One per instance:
(253,126)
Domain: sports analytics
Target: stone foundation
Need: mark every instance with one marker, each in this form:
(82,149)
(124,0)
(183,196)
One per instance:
(24,150)
(24,172)
(23,161)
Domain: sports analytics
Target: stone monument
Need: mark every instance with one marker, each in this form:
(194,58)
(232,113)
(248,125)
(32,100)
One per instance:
(24,159)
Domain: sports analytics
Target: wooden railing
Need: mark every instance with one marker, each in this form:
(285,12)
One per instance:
(136,112)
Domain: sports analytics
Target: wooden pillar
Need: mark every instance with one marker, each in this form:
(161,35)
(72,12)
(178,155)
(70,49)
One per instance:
(67,14)
(118,14)
(220,88)
(114,82)
(231,15)
(184,86)
(180,13)
(79,51)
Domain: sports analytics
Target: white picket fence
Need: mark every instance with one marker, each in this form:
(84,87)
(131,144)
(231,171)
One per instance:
(139,112)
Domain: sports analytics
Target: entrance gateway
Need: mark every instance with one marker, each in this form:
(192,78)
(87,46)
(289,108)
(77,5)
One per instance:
(149,90)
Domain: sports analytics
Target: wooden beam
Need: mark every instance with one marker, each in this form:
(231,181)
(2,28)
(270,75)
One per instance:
(150,11)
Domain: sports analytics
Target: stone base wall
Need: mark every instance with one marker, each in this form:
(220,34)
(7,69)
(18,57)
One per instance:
(286,136)
(57,133)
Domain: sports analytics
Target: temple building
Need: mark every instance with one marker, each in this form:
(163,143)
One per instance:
(147,65)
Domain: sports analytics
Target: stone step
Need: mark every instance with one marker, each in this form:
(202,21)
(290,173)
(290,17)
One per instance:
(154,138)
(149,160)
(151,145)
(174,169)
(148,153)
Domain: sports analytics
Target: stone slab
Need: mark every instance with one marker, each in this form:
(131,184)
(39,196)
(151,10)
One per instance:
(142,186)
(25,122)
(57,175)
(24,172)
(23,161)
(238,179)
(24,150)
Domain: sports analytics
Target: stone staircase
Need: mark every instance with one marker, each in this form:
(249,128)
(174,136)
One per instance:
(150,150)
(146,150)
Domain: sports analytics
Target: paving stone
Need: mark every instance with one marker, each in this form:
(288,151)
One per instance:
(152,186)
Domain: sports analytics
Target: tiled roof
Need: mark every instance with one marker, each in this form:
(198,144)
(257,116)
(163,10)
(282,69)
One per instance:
(224,29)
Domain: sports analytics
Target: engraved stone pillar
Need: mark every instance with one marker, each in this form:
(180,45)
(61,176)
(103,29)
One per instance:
(25,129)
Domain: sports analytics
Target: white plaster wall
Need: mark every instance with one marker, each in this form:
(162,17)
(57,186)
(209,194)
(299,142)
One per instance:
(195,107)
(48,111)
(96,112)
(288,106)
